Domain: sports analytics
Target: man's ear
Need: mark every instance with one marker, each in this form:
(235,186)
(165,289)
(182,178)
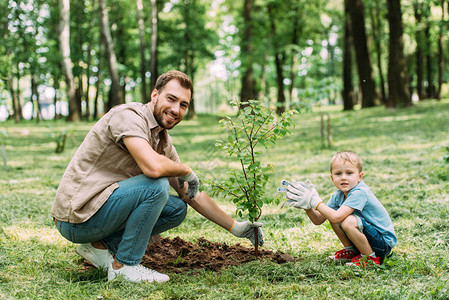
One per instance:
(154,94)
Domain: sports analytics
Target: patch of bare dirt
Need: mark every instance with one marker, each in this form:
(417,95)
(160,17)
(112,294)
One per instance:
(179,256)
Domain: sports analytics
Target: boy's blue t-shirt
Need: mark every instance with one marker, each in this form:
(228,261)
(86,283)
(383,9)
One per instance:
(366,205)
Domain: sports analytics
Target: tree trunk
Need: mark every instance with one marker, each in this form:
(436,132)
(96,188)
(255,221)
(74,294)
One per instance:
(189,54)
(15,104)
(86,95)
(263,94)
(35,97)
(64,45)
(419,52)
(399,90)
(278,60)
(376,25)
(440,53)
(154,44)
(98,85)
(430,87)
(115,93)
(56,98)
(89,64)
(348,88)
(79,92)
(367,85)
(143,63)
(248,88)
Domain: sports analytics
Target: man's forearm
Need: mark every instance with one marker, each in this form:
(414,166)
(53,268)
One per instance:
(205,206)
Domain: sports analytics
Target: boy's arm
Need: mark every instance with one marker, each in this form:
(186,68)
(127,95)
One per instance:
(325,212)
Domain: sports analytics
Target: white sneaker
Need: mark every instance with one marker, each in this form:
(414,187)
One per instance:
(136,273)
(100,258)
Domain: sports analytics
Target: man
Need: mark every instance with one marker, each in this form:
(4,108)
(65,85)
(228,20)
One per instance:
(114,194)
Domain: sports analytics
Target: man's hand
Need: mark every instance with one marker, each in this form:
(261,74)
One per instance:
(193,181)
(246,230)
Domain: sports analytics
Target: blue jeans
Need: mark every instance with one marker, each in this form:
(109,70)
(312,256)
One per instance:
(374,238)
(139,208)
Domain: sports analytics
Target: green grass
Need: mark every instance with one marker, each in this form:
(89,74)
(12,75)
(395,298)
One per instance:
(403,154)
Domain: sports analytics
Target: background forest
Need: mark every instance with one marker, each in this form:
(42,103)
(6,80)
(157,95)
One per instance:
(79,58)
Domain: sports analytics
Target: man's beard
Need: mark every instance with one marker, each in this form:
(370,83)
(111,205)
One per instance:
(159,116)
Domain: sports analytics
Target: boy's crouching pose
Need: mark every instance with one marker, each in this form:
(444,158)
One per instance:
(359,220)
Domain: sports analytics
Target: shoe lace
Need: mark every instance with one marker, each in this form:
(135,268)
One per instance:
(144,271)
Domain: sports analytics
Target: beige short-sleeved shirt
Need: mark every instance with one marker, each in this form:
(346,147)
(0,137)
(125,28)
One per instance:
(102,160)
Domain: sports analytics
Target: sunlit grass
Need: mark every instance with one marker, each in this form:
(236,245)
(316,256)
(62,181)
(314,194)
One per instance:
(402,152)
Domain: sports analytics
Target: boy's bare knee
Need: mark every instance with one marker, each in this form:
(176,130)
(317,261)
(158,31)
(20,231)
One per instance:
(349,223)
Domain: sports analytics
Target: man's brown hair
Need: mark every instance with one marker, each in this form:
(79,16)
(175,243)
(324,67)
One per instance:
(182,78)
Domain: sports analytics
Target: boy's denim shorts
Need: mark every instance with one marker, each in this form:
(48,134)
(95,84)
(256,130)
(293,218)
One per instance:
(375,239)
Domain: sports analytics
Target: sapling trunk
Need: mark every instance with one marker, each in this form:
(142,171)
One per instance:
(256,240)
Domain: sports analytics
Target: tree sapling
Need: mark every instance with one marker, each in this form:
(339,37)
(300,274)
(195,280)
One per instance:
(255,126)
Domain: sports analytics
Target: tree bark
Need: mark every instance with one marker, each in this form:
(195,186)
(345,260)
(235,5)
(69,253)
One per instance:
(189,55)
(279,61)
(348,88)
(294,59)
(419,52)
(399,90)
(248,88)
(15,104)
(430,86)
(440,52)
(89,64)
(143,63)
(366,79)
(64,45)
(376,25)
(115,93)
(35,97)
(154,44)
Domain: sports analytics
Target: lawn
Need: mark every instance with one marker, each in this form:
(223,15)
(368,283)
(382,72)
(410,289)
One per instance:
(403,152)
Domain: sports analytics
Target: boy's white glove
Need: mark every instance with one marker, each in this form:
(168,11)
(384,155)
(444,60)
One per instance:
(301,195)
(246,230)
(193,181)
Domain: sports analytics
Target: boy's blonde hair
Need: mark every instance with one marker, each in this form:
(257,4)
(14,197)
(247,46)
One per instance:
(348,156)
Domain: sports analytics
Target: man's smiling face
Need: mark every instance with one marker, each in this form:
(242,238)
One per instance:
(170,104)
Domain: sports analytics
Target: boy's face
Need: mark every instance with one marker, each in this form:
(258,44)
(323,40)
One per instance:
(345,175)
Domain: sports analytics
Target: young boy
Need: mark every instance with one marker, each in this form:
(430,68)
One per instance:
(359,220)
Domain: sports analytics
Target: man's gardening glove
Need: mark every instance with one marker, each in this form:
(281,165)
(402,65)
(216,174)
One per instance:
(193,181)
(246,230)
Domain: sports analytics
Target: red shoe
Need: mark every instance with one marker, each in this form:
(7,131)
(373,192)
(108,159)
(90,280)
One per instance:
(364,261)
(343,255)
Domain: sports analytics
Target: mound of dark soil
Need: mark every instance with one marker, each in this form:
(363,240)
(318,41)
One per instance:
(178,256)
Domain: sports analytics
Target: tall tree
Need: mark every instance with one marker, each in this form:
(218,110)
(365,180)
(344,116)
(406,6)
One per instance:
(143,63)
(154,43)
(348,87)
(377,31)
(366,79)
(419,56)
(248,88)
(279,62)
(64,44)
(115,92)
(440,51)
(430,92)
(398,85)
